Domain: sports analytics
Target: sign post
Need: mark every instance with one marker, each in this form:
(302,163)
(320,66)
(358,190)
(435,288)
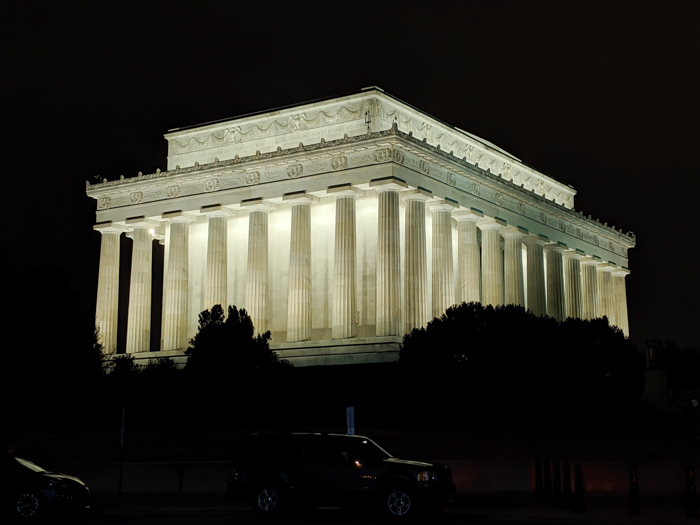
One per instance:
(350,415)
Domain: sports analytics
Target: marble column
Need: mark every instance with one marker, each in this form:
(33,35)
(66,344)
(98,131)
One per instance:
(176,293)
(491,261)
(536,298)
(468,259)
(416,309)
(443,270)
(299,291)
(556,306)
(257,278)
(388,257)
(216,276)
(589,288)
(620,299)
(345,263)
(108,285)
(572,283)
(605,292)
(513,266)
(138,327)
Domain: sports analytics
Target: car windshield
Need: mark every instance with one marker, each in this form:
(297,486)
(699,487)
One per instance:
(30,465)
(370,450)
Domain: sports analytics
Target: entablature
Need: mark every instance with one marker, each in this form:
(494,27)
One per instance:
(392,147)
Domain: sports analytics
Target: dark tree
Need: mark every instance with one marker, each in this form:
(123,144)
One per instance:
(505,360)
(225,346)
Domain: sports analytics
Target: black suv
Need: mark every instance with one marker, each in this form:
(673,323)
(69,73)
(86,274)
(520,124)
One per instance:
(278,470)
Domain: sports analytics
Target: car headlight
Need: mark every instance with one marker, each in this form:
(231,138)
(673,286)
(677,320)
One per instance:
(427,475)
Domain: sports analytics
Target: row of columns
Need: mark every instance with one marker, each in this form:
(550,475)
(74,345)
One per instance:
(576,286)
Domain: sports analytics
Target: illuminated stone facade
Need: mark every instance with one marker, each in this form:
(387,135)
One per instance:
(341,224)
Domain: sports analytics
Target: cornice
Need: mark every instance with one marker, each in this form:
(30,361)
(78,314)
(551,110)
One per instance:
(397,148)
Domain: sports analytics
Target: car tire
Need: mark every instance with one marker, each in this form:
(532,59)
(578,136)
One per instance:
(28,506)
(268,500)
(399,503)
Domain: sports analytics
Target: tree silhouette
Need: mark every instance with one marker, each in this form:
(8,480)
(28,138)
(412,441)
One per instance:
(229,345)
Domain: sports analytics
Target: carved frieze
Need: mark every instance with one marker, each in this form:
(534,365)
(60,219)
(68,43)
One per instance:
(211,185)
(252,177)
(136,197)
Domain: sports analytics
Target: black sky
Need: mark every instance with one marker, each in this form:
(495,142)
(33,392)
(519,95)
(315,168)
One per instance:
(599,95)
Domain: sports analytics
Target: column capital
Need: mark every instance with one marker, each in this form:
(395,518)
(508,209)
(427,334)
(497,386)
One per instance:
(535,239)
(621,270)
(109,227)
(216,210)
(443,205)
(178,216)
(388,184)
(605,267)
(417,195)
(491,223)
(345,190)
(513,231)
(141,223)
(467,214)
(299,197)
(590,261)
(257,205)
(573,254)
(558,247)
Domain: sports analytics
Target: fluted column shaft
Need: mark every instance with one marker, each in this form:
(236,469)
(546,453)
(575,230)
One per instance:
(605,292)
(491,262)
(620,299)
(468,260)
(556,306)
(256,285)
(345,267)
(388,262)
(299,292)
(216,277)
(513,266)
(589,288)
(176,286)
(572,283)
(108,288)
(443,270)
(416,309)
(536,298)
(138,333)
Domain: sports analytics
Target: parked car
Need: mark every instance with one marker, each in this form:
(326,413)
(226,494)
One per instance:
(28,491)
(279,470)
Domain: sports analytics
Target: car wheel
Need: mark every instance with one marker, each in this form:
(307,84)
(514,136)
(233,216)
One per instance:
(399,503)
(267,500)
(27,505)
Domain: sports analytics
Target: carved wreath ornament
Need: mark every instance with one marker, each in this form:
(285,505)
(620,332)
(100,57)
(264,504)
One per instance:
(339,163)
(424,167)
(211,185)
(252,177)
(398,156)
(172,191)
(136,197)
(104,202)
(382,155)
(294,171)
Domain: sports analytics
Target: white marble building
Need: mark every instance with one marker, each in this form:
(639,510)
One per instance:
(339,225)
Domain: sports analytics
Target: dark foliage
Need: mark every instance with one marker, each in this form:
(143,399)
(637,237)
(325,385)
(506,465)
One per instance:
(505,360)
(228,345)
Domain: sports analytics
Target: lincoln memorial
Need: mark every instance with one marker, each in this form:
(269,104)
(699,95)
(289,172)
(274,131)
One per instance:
(342,224)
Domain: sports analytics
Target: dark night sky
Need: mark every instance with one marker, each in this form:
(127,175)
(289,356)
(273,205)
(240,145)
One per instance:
(600,95)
